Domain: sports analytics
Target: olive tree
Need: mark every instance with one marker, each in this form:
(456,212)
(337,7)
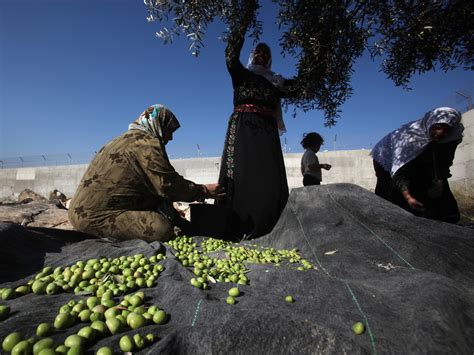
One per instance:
(326,37)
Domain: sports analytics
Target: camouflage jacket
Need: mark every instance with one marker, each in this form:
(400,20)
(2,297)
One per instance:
(132,172)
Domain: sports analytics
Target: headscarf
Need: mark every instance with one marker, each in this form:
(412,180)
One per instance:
(155,120)
(407,142)
(276,79)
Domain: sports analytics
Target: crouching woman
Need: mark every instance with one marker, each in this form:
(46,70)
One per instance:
(412,165)
(128,188)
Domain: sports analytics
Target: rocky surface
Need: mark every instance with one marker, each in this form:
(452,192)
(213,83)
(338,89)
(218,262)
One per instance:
(36,214)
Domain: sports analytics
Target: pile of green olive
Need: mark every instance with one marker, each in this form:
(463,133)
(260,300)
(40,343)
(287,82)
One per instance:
(95,276)
(231,266)
(105,280)
(102,317)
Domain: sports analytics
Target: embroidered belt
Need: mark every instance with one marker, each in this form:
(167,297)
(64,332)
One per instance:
(263,110)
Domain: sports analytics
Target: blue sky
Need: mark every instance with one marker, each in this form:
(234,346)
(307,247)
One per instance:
(75,73)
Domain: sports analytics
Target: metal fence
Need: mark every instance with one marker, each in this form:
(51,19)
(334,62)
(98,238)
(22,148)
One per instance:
(85,158)
(46,160)
(71,159)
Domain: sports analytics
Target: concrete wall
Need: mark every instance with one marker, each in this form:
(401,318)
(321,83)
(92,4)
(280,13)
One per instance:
(462,181)
(353,166)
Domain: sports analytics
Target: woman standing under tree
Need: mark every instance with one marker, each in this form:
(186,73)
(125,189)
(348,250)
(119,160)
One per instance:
(252,168)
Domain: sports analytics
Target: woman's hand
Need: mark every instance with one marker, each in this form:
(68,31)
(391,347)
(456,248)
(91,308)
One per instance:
(415,204)
(213,191)
(412,202)
(326,166)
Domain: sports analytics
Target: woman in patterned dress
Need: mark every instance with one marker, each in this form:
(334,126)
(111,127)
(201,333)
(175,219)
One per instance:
(252,167)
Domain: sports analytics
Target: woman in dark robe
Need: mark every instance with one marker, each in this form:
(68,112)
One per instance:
(252,167)
(412,165)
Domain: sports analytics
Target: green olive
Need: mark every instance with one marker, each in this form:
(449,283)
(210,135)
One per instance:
(111,313)
(160,317)
(230,300)
(100,327)
(152,309)
(114,325)
(122,319)
(139,341)
(4,311)
(74,340)
(136,300)
(140,294)
(148,317)
(65,309)
(52,288)
(100,308)
(8,294)
(105,350)
(126,344)
(63,321)
(92,302)
(140,282)
(44,329)
(196,283)
(135,320)
(358,328)
(75,350)
(23,290)
(47,351)
(125,303)
(62,349)
(79,307)
(88,333)
(85,315)
(234,292)
(108,303)
(45,343)
(96,316)
(11,340)
(140,310)
(23,347)
(149,338)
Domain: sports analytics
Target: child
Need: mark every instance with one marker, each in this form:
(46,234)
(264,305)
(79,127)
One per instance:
(310,167)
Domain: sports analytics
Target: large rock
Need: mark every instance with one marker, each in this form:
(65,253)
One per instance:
(28,195)
(36,214)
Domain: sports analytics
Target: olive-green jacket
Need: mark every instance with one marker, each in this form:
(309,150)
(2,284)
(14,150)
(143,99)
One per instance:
(130,173)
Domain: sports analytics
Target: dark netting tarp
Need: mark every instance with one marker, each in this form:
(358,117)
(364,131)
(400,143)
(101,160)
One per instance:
(410,280)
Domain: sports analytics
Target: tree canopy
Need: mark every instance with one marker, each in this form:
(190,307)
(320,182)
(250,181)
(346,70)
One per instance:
(326,37)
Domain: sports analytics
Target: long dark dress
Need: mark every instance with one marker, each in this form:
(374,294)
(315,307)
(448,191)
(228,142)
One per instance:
(252,167)
(417,176)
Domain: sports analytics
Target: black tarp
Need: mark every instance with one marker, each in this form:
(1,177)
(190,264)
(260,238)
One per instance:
(410,280)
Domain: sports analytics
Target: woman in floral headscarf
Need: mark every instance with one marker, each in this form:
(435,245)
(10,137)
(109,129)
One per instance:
(412,164)
(128,188)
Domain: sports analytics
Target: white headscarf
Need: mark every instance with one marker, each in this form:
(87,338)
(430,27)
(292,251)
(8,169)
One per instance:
(276,79)
(407,142)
